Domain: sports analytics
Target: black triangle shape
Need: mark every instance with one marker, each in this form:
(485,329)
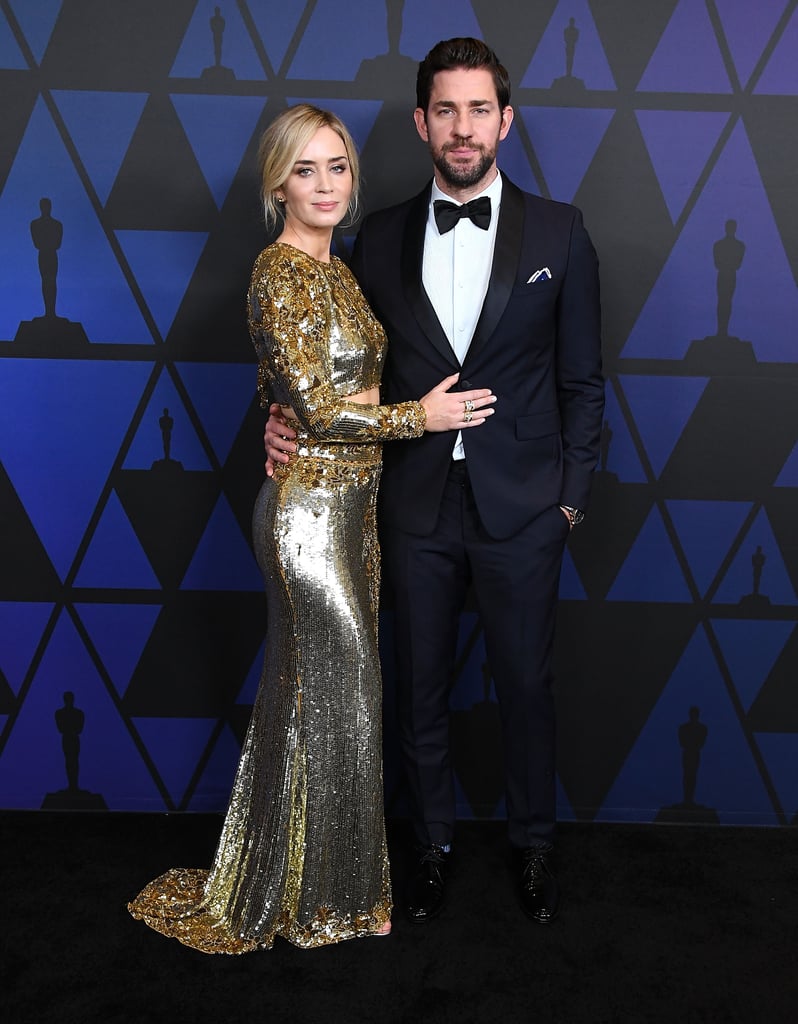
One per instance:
(202,646)
(629,32)
(160,186)
(243,473)
(621,187)
(782,512)
(714,459)
(8,701)
(28,573)
(776,153)
(775,708)
(125,45)
(169,509)
(19,97)
(599,649)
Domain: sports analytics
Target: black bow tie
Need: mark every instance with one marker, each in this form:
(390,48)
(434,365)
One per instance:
(448,214)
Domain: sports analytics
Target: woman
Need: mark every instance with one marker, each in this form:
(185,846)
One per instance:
(302,852)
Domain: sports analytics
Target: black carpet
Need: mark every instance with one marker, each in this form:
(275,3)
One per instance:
(660,923)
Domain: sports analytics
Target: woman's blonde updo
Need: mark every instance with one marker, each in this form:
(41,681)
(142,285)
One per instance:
(283,142)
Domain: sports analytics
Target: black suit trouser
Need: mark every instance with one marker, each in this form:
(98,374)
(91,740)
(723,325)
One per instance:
(516,585)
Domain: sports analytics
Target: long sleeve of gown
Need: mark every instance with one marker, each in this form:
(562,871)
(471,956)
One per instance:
(298,309)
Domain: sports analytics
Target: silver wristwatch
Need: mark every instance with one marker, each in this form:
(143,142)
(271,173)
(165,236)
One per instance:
(576,515)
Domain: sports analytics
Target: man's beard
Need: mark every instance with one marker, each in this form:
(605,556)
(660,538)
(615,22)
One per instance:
(463,176)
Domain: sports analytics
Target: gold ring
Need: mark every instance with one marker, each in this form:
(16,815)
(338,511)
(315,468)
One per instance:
(468,405)
(467,416)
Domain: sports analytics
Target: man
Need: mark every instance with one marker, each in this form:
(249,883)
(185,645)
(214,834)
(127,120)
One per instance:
(511,303)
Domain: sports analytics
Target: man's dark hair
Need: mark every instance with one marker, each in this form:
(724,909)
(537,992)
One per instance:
(451,54)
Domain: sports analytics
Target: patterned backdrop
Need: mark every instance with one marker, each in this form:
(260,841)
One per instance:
(131,611)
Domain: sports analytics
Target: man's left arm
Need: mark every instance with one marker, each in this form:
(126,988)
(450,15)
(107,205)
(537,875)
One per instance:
(580,382)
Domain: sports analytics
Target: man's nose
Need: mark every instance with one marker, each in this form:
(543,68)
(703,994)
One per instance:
(462,126)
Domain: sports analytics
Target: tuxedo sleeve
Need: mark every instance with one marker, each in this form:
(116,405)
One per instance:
(580,383)
(357,262)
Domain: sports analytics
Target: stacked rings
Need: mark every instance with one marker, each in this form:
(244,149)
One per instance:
(468,407)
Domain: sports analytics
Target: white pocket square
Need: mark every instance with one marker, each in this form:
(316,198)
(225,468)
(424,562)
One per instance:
(543,272)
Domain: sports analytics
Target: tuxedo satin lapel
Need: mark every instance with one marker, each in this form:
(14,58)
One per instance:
(506,254)
(412,258)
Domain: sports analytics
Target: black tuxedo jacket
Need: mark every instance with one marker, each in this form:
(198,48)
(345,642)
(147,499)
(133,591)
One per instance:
(536,346)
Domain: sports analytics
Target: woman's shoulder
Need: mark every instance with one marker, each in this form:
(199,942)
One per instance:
(282,263)
(281,271)
(277,258)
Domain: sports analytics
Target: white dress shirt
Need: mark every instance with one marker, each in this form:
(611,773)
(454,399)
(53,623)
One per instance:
(456,271)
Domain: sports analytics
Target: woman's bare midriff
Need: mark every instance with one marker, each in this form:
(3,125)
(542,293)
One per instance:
(370,397)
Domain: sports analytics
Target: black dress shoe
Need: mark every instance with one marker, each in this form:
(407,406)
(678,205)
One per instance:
(425,890)
(540,893)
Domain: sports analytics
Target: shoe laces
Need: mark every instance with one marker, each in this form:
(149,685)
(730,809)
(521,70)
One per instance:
(535,865)
(433,855)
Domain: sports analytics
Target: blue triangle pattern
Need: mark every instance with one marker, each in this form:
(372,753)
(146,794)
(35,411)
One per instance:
(37,21)
(750,648)
(734,193)
(747,35)
(571,588)
(650,572)
(249,688)
(149,444)
(213,791)
(115,558)
(329,49)
(83,448)
(661,407)
(780,753)
(21,628)
(175,746)
(565,140)
(687,58)
(788,477)
(110,765)
(707,530)
(221,393)
(219,129)
(10,53)
(163,262)
(277,25)
(196,52)
(358,115)
(119,632)
(775,585)
(223,559)
(651,776)
(781,73)
(589,60)
(618,448)
(679,143)
(423,24)
(91,287)
(101,125)
(515,163)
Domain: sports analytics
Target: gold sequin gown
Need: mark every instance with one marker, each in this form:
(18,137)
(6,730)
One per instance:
(302,852)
